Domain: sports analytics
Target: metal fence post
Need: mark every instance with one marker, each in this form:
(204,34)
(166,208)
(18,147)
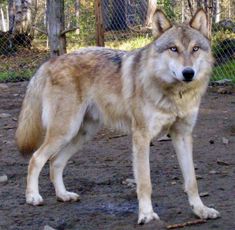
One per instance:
(99,24)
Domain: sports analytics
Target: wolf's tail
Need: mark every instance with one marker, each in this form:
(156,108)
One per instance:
(29,133)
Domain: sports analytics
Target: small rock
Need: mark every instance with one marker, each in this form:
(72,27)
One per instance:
(3,86)
(4,115)
(173,182)
(47,227)
(225,140)
(199,177)
(129,182)
(213,172)
(3,179)
(203,194)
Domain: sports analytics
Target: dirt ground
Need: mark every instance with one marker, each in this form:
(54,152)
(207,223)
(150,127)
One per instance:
(99,172)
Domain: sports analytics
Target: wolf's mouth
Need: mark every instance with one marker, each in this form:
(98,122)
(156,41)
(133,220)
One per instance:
(187,80)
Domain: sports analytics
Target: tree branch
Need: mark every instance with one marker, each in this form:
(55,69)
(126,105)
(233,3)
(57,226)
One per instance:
(189,223)
(69,30)
(39,30)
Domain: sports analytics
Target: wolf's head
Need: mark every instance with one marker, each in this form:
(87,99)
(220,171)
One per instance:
(182,51)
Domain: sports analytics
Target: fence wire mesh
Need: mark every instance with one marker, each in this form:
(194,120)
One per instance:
(126,25)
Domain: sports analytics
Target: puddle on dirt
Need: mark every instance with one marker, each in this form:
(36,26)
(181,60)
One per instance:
(109,208)
(112,208)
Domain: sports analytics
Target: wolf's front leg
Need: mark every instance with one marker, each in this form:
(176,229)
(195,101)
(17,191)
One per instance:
(142,176)
(183,148)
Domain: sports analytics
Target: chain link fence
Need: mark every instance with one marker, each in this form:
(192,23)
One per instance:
(126,26)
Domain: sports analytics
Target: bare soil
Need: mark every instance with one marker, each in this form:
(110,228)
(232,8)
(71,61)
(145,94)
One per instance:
(99,171)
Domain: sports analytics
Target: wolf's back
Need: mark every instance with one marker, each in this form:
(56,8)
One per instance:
(29,132)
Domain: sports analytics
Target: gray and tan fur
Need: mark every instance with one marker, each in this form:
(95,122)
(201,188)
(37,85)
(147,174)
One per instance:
(147,92)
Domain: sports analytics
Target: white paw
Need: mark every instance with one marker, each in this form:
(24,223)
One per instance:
(147,217)
(34,199)
(68,196)
(206,213)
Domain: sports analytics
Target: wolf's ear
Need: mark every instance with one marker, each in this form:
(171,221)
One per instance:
(160,23)
(200,23)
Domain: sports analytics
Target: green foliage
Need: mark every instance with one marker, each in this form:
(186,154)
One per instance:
(86,22)
(7,76)
(167,8)
(222,35)
(3,2)
(129,44)
(223,71)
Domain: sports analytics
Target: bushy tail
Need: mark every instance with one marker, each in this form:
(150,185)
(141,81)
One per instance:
(29,133)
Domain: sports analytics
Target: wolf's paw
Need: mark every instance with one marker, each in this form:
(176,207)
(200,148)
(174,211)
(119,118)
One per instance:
(206,213)
(34,199)
(68,196)
(147,217)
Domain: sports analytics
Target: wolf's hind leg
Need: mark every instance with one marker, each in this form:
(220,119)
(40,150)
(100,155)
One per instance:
(59,161)
(57,165)
(59,134)
(38,160)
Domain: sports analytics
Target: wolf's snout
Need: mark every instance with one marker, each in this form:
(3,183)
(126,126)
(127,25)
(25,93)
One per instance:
(188,74)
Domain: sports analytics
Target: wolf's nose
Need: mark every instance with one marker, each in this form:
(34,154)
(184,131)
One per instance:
(188,74)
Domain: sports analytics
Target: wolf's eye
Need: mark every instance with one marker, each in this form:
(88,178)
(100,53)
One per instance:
(174,49)
(195,48)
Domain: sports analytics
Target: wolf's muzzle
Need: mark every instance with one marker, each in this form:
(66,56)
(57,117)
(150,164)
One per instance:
(188,74)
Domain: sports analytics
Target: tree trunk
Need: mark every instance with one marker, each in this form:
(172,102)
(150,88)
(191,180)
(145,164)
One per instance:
(4,26)
(7,17)
(187,9)
(152,5)
(11,13)
(190,7)
(99,23)
(55,16)
(182,11)
(77,8)
(217,11)
(233,8)
(34,10)
(208,8)
(23,16)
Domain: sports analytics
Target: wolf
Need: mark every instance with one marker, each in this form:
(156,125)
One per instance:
(148,92)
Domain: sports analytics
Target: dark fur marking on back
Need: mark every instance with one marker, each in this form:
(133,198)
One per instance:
(117,59)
